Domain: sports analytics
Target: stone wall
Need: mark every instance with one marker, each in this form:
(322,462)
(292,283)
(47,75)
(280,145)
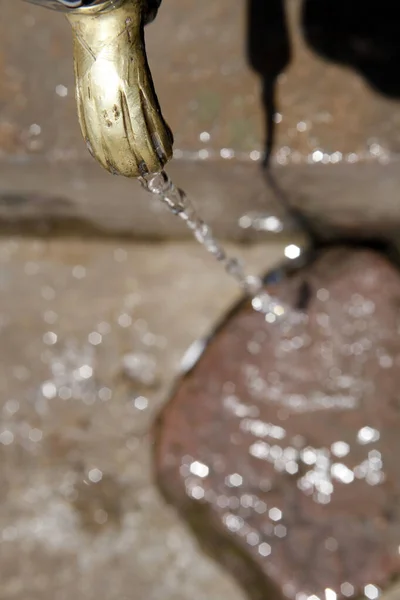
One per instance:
(334,125)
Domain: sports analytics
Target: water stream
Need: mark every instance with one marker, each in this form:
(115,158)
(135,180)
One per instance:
(179,204)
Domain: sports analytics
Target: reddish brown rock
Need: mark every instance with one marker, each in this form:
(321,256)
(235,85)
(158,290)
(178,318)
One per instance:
(281,445)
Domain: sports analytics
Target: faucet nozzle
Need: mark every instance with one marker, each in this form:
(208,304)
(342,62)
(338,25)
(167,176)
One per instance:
(118,109)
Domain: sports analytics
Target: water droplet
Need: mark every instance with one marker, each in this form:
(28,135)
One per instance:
(105,394)
(205,136)
(275,514)
(49,390)
(264,549)
(35,129)
(330,594)
(85,371)
(50,338)
(342,473)
(309,456)
(35,435)
(11,407)
(253,538)
(199,469)
(366,435)
(177,201)
(386,362)
(61,91)
(292,251)
(371,591)
(347,589)
(197,492)
(124,320)
(95,338)
(340,449)
(227,153)
(65,392)
(317,156)
(6,437)
(255,155)
(323,295)
(234,480)
(95,475)
(292,467)
(233,523)
(141,367)
(141,403)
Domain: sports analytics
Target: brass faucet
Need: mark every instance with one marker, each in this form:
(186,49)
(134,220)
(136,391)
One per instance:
(118,109)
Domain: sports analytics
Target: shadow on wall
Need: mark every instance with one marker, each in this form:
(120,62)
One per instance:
(364,36)
(268,54)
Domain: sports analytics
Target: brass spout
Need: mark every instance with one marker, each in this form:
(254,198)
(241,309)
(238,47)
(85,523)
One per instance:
(118,109)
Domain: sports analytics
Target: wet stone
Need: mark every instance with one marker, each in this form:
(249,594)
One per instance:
(335,131)
(280,447)
(92,335)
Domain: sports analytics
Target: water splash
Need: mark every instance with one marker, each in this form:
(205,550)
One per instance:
(180,205)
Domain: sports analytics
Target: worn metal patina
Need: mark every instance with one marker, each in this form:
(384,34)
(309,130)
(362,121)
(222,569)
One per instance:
(118,109)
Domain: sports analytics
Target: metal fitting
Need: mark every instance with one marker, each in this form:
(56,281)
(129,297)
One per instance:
(119,113)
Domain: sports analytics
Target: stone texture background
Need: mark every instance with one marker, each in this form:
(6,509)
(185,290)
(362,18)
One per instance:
(80,511)
(82,315)
(336,140)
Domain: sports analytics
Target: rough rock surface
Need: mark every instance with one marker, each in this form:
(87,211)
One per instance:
(282,443)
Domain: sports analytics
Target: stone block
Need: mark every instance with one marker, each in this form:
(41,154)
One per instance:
(333,128)
(80,513)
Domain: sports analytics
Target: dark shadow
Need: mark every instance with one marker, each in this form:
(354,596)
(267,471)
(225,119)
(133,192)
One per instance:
(362,35)
(268,53)
(151,10)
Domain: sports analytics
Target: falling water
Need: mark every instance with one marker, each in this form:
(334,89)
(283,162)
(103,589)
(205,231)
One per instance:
(179,204)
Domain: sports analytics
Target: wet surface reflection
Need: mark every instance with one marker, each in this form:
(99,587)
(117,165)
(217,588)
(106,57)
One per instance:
(92,334)
(282,438)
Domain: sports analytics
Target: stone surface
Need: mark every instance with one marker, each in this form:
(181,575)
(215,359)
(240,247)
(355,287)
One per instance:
(80,514)
(335,137)
(281,444)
